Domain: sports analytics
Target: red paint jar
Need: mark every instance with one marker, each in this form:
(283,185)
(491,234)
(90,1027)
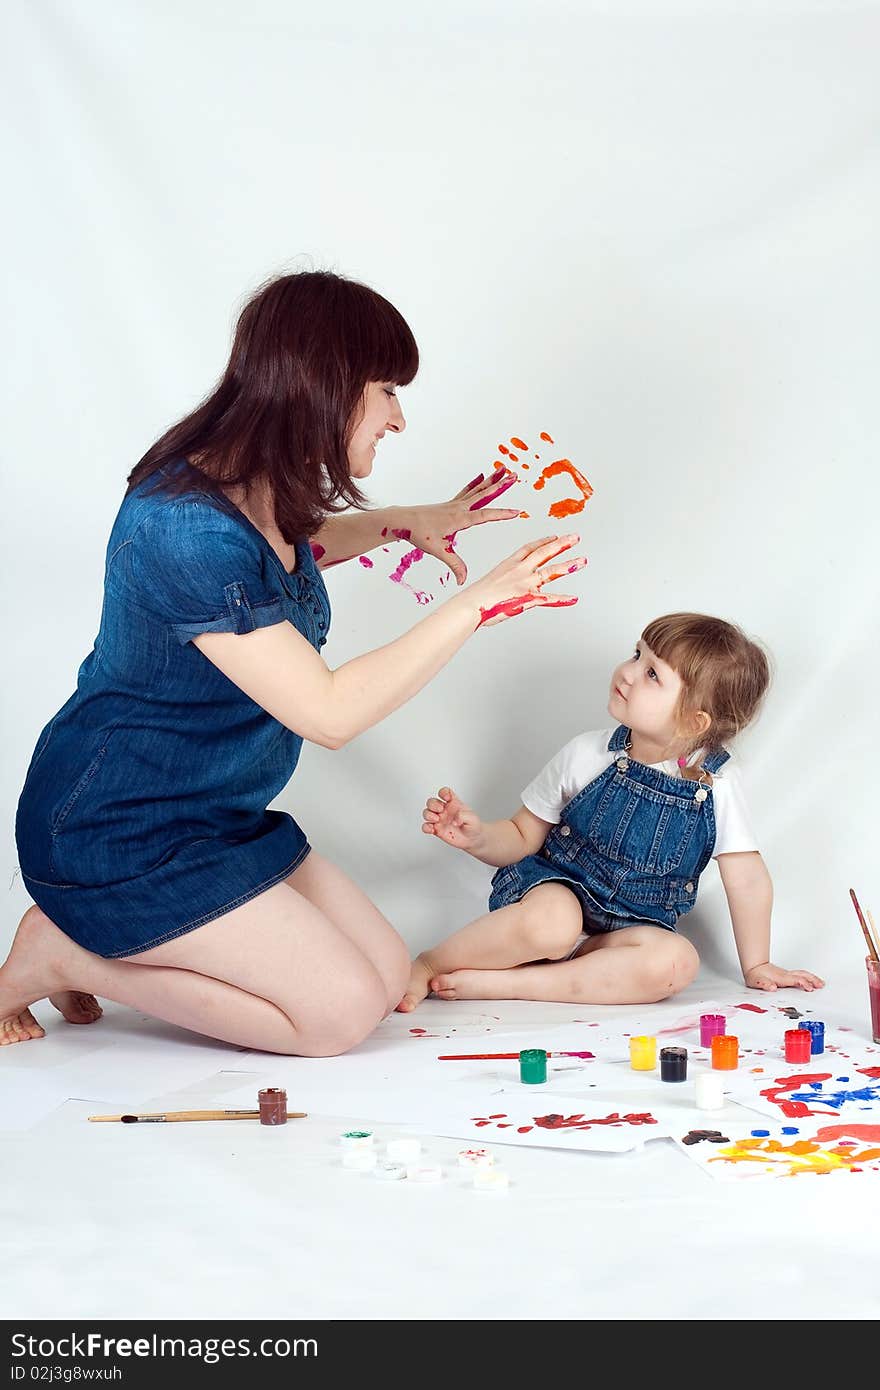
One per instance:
(798,1044)
(273,1105)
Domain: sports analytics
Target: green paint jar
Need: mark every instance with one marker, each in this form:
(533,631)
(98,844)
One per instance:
(533,1066)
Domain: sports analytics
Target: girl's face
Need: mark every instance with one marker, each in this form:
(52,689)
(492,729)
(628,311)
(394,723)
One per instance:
(381,412)
(644,695)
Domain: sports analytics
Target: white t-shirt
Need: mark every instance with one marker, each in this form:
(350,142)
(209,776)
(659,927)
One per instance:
(582,760)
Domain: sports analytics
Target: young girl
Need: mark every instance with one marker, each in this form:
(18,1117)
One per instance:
(605,854)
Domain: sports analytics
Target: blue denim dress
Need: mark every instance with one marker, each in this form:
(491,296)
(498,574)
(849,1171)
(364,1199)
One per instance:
(631,845)
(144,810)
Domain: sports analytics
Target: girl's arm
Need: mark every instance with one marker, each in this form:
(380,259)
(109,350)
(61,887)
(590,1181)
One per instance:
(496,842)
(284,674)
(749,892)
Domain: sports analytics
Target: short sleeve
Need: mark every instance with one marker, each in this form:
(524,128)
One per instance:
(567,773)
(199,570)
(733,826)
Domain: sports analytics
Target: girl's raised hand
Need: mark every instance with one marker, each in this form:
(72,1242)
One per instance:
(433,528)
(516,584)
(450,820)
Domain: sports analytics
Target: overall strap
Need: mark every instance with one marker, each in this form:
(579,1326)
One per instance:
(618,740)
(716,760)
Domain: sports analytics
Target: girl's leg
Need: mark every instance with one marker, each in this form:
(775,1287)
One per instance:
(635,965)
(544,925)
(273,974)
(349,908)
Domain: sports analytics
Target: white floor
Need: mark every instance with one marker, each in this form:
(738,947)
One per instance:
(234,1219)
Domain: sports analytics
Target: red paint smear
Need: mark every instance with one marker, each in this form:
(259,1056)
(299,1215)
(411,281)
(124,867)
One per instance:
(853,1131)
(519,443)
(366,562)
(568,505)
(797,1109)
(317,550)
(512,607)
(545,435)
(417,1030)
(753,1008)
(873,1072)
(524,1129)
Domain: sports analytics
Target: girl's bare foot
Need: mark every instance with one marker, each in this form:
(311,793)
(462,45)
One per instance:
(420,974)
(37,968)
(472,984)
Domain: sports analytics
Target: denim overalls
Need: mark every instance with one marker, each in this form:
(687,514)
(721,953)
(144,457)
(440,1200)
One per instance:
(631,845)
(144,811)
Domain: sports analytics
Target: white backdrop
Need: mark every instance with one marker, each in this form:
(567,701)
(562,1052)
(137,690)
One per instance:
(650,229)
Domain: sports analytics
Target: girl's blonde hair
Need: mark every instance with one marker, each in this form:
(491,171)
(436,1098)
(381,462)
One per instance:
(723,672)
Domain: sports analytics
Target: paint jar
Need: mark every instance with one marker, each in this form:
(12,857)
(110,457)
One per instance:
(797,1045)
(817,1036)
(725,1052)
(873,967)
(711,1025)
(273,1106)
(643,1053)
(673,1064)
(708,1091)
(533,1066)
(356,1139)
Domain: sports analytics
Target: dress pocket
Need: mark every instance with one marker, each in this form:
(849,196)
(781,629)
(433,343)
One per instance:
(86,778)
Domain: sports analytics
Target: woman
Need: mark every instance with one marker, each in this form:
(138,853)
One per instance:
(159,878)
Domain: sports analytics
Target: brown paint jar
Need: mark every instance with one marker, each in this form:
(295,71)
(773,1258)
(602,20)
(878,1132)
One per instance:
(273,1106)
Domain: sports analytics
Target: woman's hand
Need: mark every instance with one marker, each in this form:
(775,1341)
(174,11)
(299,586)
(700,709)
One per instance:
(516,584)
(451,821)
(433,528)
(769,977)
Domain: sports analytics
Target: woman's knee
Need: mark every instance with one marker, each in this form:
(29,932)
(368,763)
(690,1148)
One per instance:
(345,1020)
(551,921)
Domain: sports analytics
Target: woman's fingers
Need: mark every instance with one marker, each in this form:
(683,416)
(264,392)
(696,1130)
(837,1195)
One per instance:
(495,514)
(496,485)
(546,576)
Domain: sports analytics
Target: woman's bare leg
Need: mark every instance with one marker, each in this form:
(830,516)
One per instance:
(333,892)
(636,965)
(544,925)
(273,974)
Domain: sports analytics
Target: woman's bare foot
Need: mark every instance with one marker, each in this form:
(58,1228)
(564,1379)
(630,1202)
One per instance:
(37,968)
(420,974)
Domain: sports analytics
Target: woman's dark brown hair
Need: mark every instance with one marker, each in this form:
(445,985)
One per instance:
(305,347)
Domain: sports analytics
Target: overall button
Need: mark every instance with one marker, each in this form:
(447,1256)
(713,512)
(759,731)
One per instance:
(565,830)
(622,764)
(689,888)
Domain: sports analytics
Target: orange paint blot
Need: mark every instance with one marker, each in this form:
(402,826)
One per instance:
(568,505)
(519,443)
(525,465)
(545,435)
(503,449)
(514,458)
(524,515)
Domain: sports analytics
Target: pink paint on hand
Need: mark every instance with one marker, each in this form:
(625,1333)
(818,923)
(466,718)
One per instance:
(509,480)
(366,562)
(411,558)
(474,482)
(403,534)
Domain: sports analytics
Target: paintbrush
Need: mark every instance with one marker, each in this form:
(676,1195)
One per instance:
(872,949)
(873,928)
(502,1056)
(171,1115)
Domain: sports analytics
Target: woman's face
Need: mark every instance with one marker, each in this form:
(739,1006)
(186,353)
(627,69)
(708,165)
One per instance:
(381,412)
